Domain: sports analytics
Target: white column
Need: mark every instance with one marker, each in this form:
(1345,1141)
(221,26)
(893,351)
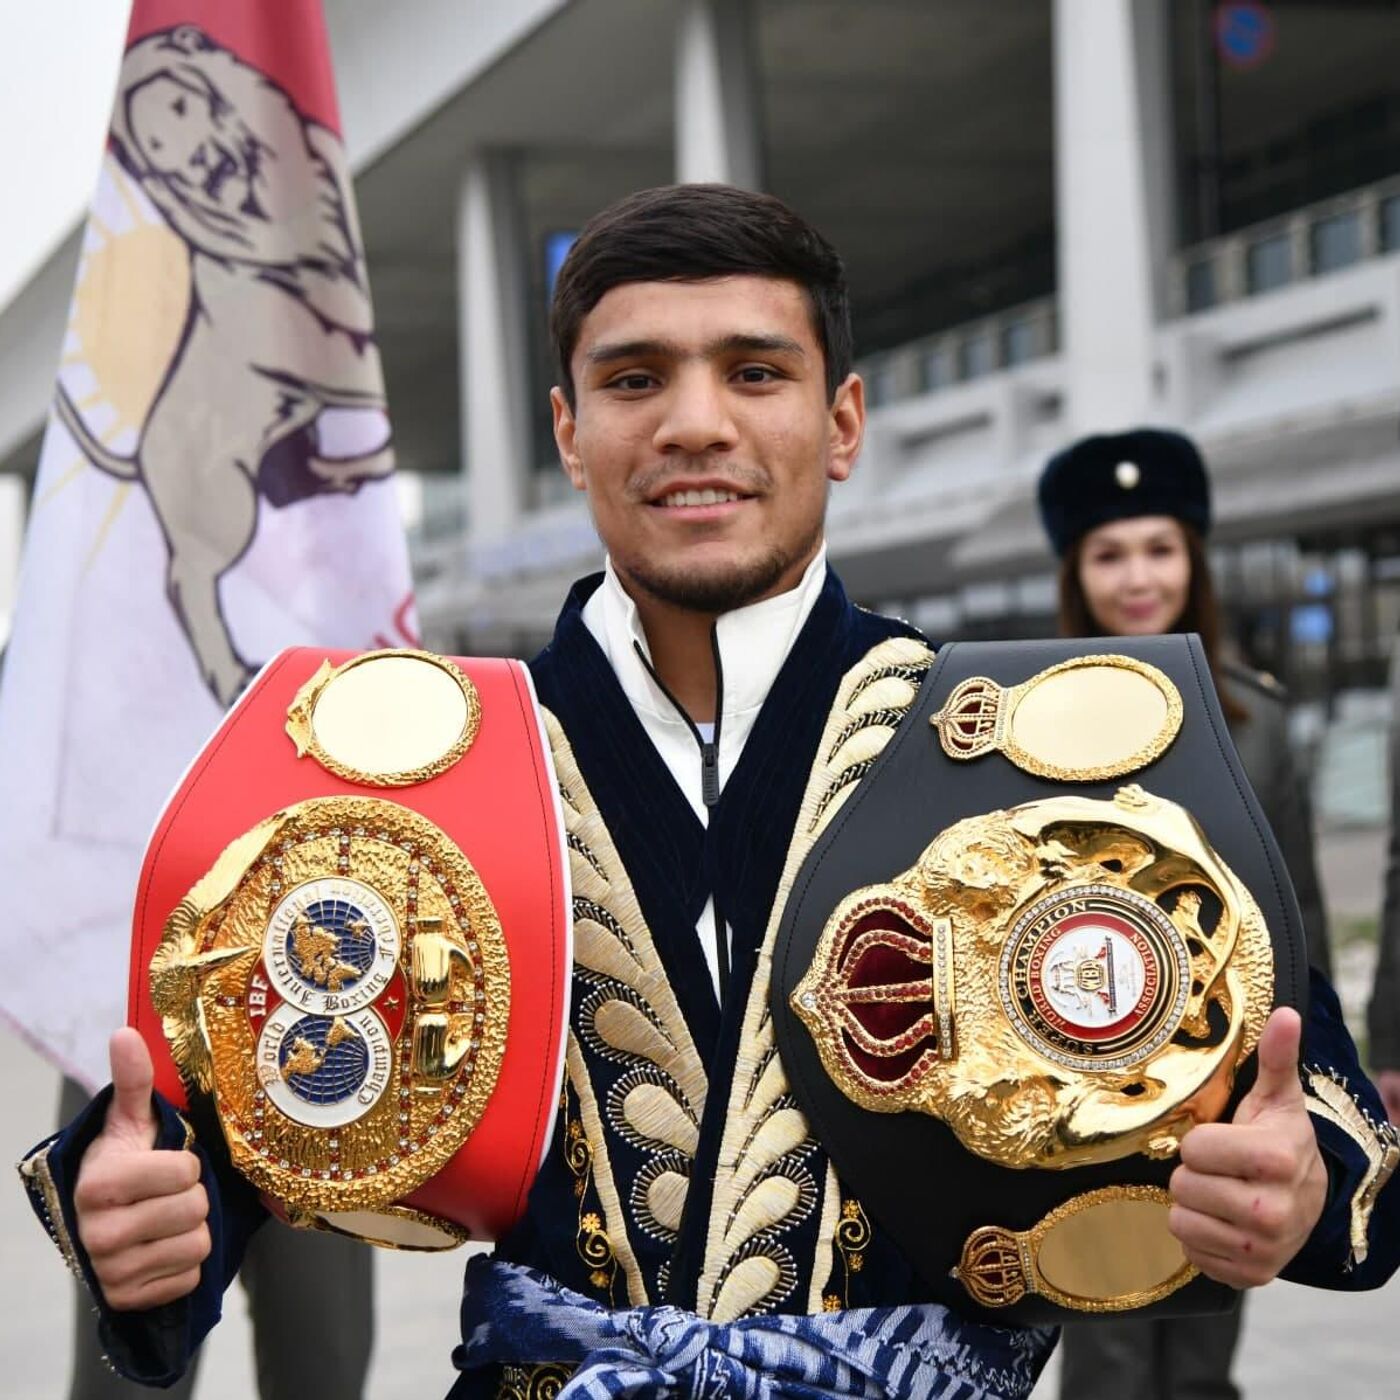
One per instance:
(13,497)
(1113,194)
(492,341)
(717,101)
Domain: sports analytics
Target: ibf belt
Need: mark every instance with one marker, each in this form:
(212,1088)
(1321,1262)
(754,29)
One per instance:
(333,929)
(1035,947)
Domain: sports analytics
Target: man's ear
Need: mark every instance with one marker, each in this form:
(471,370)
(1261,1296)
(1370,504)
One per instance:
(565,428)
(847,428)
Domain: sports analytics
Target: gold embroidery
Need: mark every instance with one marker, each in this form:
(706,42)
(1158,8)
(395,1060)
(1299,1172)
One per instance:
(852,1239)
(602,1247)
(763,1187)
(1330,1099)
(824,1259)
(628,1016)
(542,1382)
(39,1183)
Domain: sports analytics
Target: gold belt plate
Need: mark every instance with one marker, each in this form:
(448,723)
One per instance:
(1105,1251)
(339,986)
(1067,982)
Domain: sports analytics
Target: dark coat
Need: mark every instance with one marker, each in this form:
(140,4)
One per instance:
(657,836)
(1384,1014)
(1262,741)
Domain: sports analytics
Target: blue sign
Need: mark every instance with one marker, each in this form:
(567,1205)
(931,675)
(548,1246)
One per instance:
(556,249)
(1311,624)
(1244,34)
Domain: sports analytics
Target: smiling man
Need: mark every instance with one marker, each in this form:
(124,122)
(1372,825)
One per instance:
(705,405)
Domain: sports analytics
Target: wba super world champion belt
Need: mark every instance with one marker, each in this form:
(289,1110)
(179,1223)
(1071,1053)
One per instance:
(1036,946)
(352,932)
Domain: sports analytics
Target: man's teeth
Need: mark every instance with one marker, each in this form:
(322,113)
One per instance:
(699,498)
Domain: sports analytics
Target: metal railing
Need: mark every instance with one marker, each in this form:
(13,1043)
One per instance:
(1304,243)
(969,351)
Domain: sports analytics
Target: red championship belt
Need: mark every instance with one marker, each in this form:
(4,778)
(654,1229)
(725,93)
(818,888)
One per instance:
(351,942)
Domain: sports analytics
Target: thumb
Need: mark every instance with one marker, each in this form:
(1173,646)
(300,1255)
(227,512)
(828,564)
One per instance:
(130,1116)
(1277,1082)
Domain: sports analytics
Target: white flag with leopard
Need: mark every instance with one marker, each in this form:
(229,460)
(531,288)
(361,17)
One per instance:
(215,482)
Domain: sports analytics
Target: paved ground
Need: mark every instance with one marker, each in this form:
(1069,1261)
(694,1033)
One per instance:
(1299,1344)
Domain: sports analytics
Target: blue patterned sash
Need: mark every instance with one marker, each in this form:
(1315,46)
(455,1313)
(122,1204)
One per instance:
(513,1315)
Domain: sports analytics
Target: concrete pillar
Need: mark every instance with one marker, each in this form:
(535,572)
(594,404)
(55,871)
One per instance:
(493,345)
(717,94)
(1113,194)
(13,499)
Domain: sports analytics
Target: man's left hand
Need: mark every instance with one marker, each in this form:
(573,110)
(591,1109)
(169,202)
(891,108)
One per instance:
(1248,1193)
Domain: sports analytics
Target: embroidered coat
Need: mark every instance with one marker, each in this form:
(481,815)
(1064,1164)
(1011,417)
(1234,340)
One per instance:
(682,1171)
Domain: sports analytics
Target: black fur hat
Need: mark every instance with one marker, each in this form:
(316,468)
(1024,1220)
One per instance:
(1114,476)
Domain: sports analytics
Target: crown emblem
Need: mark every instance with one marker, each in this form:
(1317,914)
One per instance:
(991,1267)
(971,722)
(887,995)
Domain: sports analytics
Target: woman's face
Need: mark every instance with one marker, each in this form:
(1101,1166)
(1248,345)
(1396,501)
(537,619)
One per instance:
(1136,575)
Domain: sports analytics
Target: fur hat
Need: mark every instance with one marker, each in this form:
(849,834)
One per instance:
(1115,476)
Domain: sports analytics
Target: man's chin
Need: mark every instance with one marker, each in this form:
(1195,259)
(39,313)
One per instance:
(714,587)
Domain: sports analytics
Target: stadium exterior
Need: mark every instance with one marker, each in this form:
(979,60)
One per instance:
(1058,217)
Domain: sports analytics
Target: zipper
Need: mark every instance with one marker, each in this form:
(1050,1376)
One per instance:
(709,774)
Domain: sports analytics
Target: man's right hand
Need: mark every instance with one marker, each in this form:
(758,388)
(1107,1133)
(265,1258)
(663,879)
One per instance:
(1388,1082)
(141,1212)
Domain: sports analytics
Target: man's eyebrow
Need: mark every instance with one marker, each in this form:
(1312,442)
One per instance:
(758,344)
(611,351)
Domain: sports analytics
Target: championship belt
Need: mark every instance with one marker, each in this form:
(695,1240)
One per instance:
(352,933)
(1035,947)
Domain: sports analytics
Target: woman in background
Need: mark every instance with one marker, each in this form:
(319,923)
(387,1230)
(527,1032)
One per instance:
(1128,515)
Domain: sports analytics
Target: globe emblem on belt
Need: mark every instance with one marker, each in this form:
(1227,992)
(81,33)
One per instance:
(332,945)
(1095,977)
(323,1059)
(324,1071)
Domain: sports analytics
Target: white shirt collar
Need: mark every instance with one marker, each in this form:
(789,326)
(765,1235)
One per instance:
(754,641)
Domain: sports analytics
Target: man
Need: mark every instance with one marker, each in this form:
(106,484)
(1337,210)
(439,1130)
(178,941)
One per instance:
(705,402)
(1384,1012)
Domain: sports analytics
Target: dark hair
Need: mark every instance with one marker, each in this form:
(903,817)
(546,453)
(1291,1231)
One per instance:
(1201,613)
(688,233)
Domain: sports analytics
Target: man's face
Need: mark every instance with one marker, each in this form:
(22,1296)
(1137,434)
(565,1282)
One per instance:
(702,434)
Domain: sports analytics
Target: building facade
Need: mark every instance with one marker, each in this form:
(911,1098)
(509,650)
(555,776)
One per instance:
(1059,216)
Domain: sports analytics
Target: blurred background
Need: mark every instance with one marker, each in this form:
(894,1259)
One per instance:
(1057,217)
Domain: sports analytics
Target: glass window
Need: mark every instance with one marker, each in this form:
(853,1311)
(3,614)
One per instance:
(879,383)
(1201,294)
(937,616)
(976,356)
(1018,341)
(937,368)
(984,600)
(1390,224)
(1037,593)
(1336,242)
(1269,263)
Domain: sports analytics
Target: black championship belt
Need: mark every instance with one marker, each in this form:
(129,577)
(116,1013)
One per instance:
(1036,946)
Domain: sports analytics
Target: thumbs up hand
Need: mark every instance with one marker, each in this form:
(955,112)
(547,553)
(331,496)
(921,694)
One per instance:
(141,1212)
(1248,1193)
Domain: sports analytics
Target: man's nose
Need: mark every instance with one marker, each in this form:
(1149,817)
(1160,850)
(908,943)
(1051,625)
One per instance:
(697,417)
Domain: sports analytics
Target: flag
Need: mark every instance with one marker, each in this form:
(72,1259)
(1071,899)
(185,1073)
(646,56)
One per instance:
(215,481)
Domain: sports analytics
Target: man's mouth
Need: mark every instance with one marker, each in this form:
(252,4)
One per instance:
(706,496)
